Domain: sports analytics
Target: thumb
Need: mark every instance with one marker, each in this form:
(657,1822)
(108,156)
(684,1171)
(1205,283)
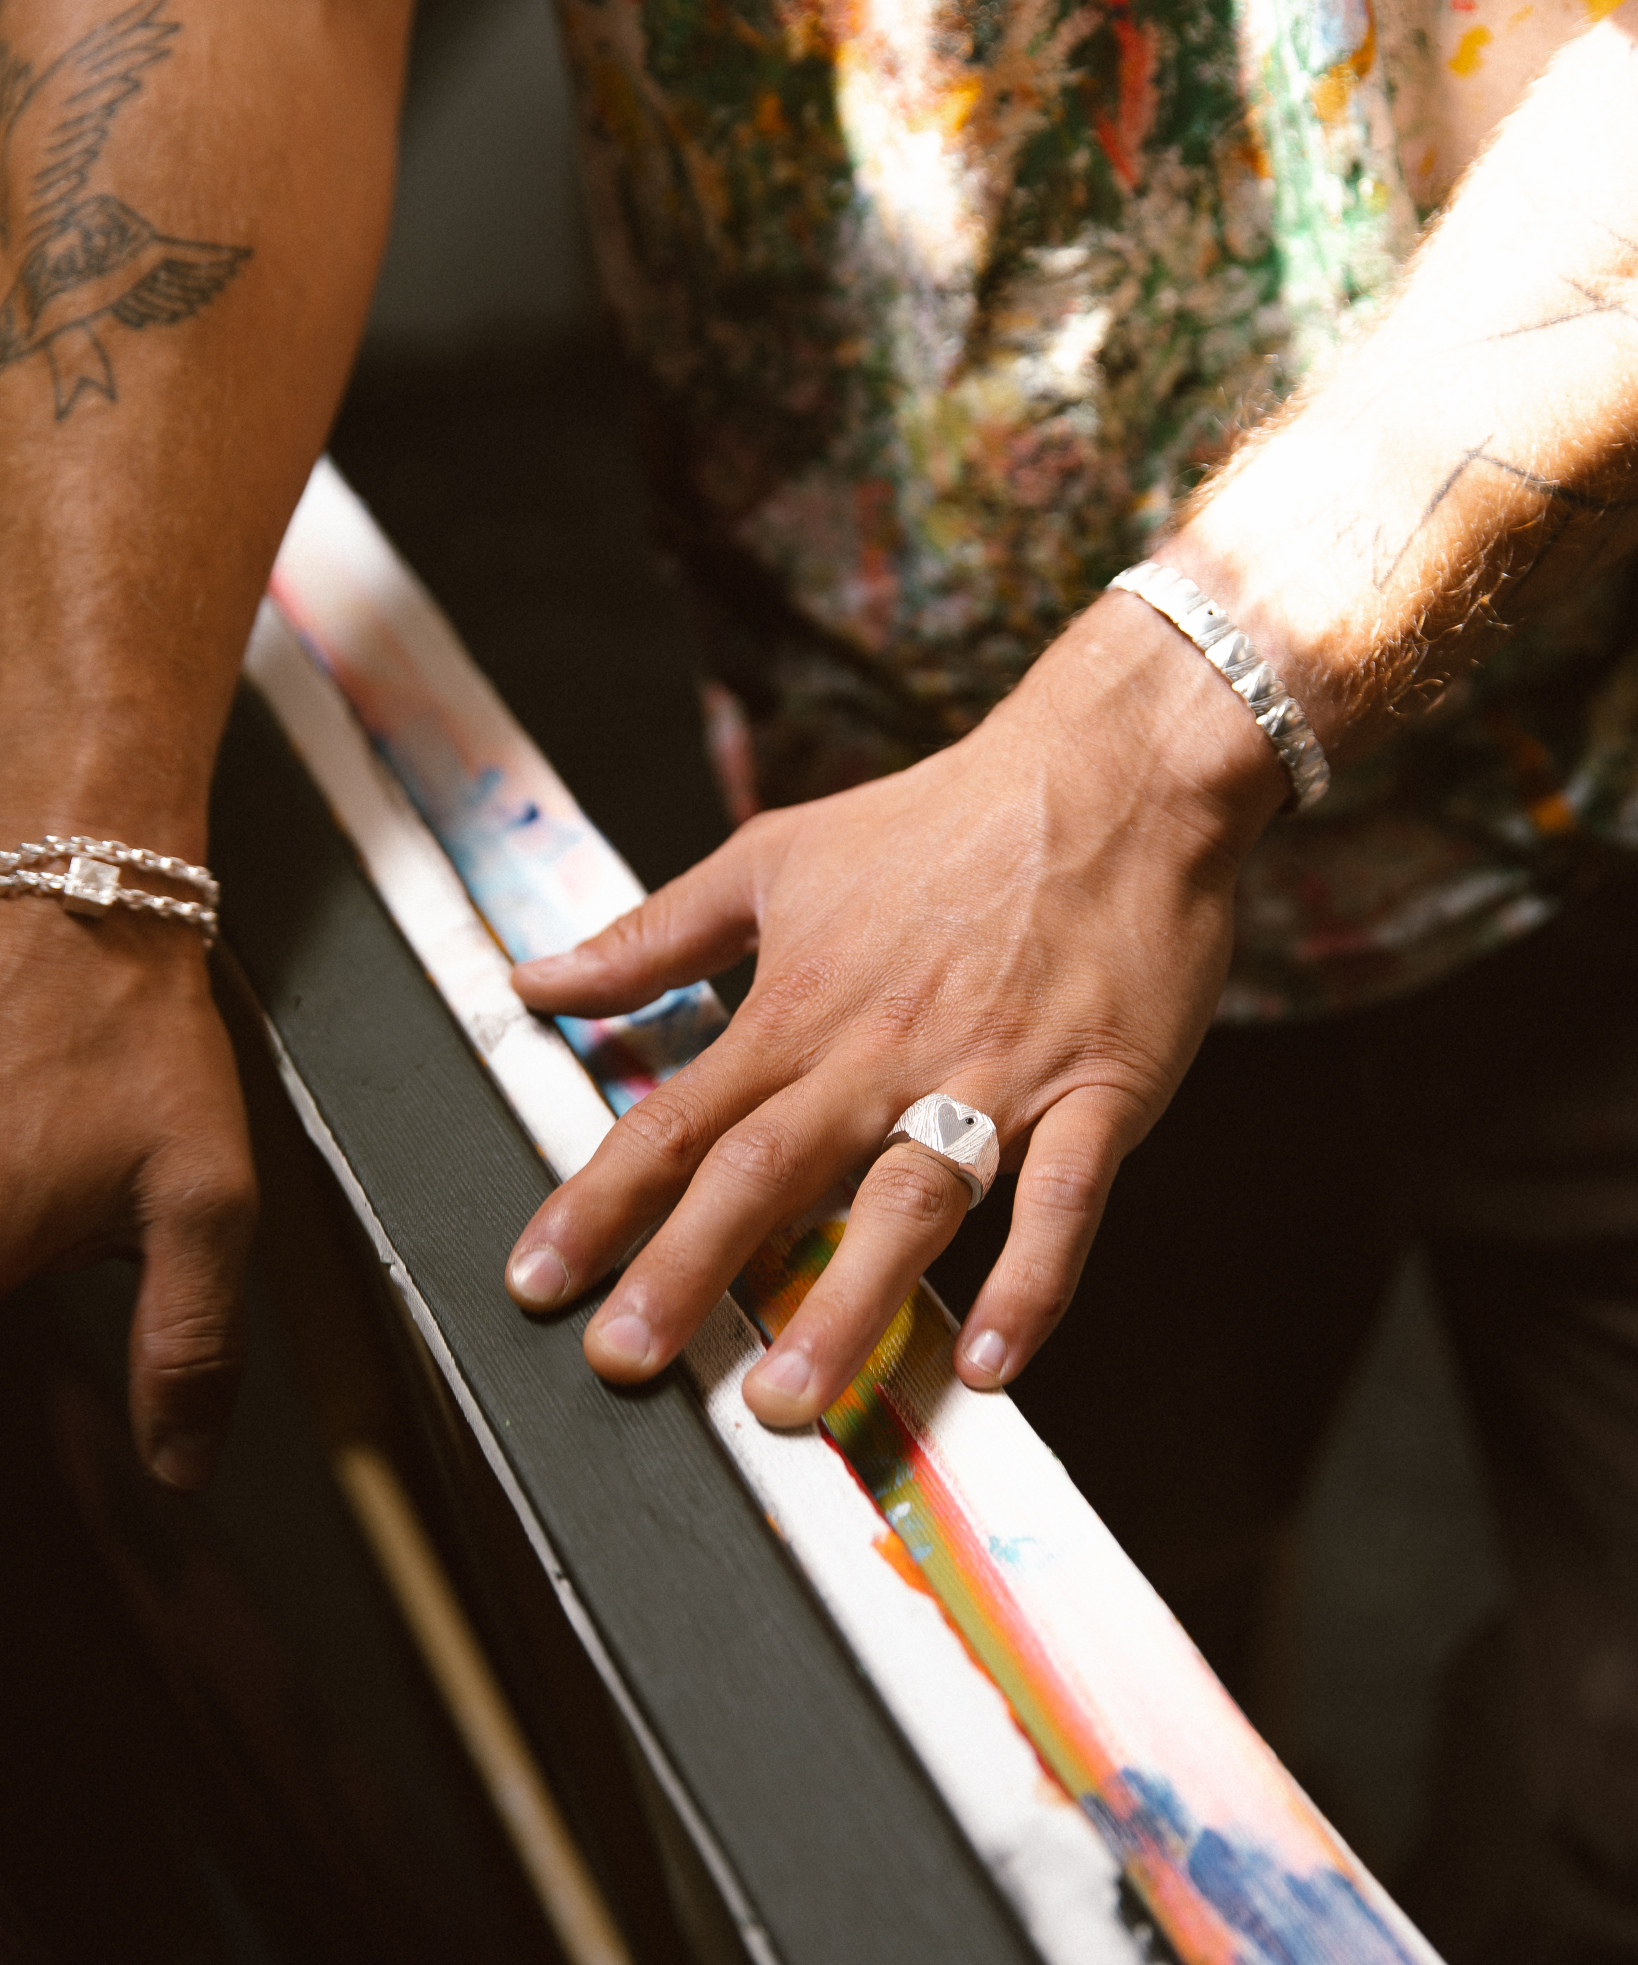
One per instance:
(187,1336)
(697,925)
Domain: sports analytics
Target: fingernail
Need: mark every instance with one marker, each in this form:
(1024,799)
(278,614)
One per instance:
(184,1459)
(987,1352)
(538,1278)
(785,1372)
(627,1338)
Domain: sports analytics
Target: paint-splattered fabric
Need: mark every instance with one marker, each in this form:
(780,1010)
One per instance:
(944,303)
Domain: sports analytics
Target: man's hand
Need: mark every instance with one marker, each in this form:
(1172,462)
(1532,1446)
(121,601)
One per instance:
(124,1135)
(193,197)
(1047,945)
(1038,921)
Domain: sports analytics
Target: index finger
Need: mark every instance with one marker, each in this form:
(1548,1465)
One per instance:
(641,1168)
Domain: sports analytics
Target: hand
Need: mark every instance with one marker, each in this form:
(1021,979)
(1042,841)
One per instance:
(125,1135)
(1037,921)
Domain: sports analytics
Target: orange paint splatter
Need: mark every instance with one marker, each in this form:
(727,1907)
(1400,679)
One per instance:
(1553,815)
(1470,51)
(1331,91)
(1252,154)
(1597,9)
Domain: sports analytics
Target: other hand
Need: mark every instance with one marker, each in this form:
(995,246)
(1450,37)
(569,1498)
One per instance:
(125,1135)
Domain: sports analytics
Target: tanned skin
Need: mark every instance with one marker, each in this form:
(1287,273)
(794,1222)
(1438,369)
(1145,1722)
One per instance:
(1038,920)
(193,199)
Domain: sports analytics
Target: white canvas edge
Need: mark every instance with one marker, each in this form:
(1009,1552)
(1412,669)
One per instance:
(1044,1853)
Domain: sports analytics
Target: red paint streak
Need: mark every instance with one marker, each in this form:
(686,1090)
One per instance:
(876,516)
(1065,1736)
(1123,133)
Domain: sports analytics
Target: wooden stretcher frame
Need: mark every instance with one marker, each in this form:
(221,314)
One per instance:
(1173,1774)
(749,1712)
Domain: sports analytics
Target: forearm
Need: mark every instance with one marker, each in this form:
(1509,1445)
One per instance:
(1476,454)
(183,304)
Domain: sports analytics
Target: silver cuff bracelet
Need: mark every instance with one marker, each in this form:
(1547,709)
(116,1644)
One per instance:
(1279,716)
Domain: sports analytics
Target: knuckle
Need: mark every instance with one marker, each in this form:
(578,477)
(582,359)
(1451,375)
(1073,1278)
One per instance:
(1121,1068)
(216,1204)
(897,1018)
(913,1188)
(757,833)
(1066,1187)
(797,994)
(629,936)
(199,1343)
(671,1128)
(758,1153)
(1040,1290)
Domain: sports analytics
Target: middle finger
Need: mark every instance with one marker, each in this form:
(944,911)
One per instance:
(583,1228)
(775,1163)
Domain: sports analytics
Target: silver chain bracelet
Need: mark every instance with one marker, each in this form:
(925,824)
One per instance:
(91,885)
(1230,652)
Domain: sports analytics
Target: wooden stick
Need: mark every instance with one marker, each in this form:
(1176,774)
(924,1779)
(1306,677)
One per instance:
(568,1893)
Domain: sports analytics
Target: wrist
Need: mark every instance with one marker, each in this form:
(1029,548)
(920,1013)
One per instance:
(103,774)
(1122,679)
(1306,635)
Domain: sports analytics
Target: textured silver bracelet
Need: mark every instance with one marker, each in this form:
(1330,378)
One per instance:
(1231,654)
(91,885)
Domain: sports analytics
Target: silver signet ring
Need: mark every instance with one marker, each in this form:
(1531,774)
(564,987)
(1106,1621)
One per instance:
(960,1135)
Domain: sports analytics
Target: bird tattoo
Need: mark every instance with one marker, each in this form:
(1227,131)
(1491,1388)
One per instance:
(78,256)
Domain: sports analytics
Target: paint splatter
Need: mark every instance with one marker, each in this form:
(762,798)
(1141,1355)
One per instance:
(1220,1894)
(1469,54)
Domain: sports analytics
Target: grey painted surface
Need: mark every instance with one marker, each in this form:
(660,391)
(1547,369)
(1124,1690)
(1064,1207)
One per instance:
(845,1851)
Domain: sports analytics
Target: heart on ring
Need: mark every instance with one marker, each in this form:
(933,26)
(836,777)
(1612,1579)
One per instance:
(951,1125)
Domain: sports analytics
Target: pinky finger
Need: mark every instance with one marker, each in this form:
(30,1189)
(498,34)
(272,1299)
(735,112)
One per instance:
(1068,1171)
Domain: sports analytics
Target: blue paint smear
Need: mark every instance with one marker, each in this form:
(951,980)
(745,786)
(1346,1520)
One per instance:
(1317,1919)
(481,835)
(1014,1551)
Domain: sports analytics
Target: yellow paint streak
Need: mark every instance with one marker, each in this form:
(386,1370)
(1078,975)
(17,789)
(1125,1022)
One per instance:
(1523,14)
(1470,49)
(1597,9)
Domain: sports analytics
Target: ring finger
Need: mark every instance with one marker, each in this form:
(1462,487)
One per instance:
(908,1207)
(781,1159)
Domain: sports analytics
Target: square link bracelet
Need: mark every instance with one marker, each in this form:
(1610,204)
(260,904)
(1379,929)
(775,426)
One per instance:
(91,886)
(1230,652)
